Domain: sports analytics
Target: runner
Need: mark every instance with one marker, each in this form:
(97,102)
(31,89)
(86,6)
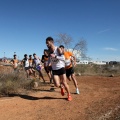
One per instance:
(14,62)
(57,61)
(69,67)
(45,61)
(38,66)
(25,63)
(31,65)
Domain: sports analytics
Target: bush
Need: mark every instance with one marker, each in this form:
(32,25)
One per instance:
(93,69)
(80,68)
(12,82)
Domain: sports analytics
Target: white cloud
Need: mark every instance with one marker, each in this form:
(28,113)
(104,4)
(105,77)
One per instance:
(110,49)
(102,31)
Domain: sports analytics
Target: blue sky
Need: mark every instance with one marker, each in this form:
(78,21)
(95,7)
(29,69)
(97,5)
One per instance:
(25,24)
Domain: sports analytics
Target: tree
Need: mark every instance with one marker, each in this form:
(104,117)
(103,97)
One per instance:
(64,39)
(79,48)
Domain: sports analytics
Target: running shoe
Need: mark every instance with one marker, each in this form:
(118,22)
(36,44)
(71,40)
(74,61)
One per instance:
(62,92)
(69,98)
(77,91)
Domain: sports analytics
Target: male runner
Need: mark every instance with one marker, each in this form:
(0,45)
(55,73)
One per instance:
(38,66)
(57,61)
(45,61)
(14,62)
(69,67)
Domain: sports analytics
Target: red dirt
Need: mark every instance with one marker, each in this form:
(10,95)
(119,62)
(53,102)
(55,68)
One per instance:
(99,99)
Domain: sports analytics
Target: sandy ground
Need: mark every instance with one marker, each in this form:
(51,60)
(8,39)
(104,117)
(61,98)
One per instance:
(99,99)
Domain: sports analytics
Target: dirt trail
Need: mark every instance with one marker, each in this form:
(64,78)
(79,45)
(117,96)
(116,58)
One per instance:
(99,99)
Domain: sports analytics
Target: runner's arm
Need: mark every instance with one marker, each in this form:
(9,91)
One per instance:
(11,62)
(49,62)
(60,56)
(42,60)
(74,60)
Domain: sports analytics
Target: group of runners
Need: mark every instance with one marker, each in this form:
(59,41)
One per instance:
(30,65)
(58,64)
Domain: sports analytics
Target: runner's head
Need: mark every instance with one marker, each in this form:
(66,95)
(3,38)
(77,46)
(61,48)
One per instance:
(62,48)
(25,55)
(15,56)
(34,55)
(49,42)
(46,52)
(30,56)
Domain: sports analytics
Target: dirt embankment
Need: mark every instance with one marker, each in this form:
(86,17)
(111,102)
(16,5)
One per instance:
(99,99)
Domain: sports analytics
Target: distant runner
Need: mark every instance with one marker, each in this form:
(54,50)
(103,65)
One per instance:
(45,61)
(25,63)
(38,66)
(14,62)
(31,62)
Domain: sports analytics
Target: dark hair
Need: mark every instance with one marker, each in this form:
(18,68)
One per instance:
(14,55)
(25,55)
(45,50)
(49,39)
(61,46)
(34,54)
(30,55)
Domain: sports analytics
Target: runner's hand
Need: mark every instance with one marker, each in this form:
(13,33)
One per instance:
(52,55)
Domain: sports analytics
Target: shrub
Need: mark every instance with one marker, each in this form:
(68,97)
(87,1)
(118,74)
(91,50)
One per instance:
(12,82)
(93,69)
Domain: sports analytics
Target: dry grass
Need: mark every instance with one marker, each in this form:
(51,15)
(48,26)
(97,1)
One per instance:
(101,70)
(11,82)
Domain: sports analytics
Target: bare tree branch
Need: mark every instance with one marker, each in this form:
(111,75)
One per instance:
(79,48)
(64,39)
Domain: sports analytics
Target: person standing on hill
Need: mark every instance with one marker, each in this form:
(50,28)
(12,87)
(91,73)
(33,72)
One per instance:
(69,58)
(45,61)
(14,62)
(57,61)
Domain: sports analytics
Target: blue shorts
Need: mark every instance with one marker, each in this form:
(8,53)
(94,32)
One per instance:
(38,68)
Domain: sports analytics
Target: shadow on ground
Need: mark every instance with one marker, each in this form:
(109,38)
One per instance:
(28,97)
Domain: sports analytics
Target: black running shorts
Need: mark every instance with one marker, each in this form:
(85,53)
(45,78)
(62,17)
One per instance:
(48,69)
(69,71)
(59,72)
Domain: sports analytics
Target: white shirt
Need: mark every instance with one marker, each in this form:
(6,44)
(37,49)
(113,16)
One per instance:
(58,62)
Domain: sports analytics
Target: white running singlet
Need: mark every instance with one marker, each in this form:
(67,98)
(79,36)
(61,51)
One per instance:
(37,61)
(27,63)
(58,62)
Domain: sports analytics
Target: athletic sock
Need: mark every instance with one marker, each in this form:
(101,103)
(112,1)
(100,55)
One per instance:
(77,91)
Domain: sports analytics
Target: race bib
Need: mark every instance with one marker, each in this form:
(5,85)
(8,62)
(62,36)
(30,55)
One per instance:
(54,60)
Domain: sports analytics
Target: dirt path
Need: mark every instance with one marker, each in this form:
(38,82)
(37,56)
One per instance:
(99,100)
